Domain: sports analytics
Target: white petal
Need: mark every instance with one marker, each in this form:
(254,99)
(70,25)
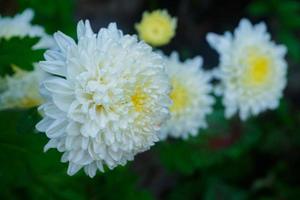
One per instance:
(43,125)
(90,170)
(88,29)
(80,29)
(64,157)
(57,128)
(73,129)
(100,166)
(220,43)
(51,144)
(54,67)
(89,129)
(69,142)
(52,55)
(63,41)
(59,86)
(52,111)
(27,15)
(73,168)
(63,102)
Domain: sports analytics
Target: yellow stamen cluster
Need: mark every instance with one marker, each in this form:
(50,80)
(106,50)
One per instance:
(139,99)
(179,96)
(258,69)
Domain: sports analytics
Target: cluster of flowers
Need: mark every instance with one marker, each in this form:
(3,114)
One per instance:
(108,96)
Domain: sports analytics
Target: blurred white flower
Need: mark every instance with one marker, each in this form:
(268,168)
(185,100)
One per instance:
(107,96)
(191,97)
(21,90)
(252,69)
(20,26)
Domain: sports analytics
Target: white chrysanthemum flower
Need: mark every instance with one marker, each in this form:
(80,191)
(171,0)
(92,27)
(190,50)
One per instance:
(252,69)
(107,97)
(191,97)
(20,26)
(21,90)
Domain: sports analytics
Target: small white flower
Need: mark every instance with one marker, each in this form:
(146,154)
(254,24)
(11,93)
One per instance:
(252,69)
(21,90)
(107,96)
(20,26)
(190,95)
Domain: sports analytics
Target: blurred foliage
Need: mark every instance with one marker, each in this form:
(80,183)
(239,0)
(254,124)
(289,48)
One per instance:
(258,159)
(52,14)
(28,173)
(19,52)
(231,160)
(226,143)
(286,15)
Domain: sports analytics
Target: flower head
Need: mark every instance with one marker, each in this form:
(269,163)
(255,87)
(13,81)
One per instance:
(107,96)
(20,26)
(252,69)
(21,89)
(157,28)
(190,95)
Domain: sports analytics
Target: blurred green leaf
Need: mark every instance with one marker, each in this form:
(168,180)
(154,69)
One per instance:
(216,189)
(54,15)
(258,8)
(19,52)
(287,17)
(211,148)
(292,42)
(35,174)
(289,14)
(117,184)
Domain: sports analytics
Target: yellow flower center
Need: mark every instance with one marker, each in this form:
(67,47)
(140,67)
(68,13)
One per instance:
(139,99)
(179,96)
(258,69)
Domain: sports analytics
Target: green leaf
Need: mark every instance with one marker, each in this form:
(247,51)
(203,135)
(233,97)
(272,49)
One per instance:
(221,142)
(25,167)
(258,8)
(292,43)
(52,14)
(18,51)
(289,14)
(117,184)
(217,189)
